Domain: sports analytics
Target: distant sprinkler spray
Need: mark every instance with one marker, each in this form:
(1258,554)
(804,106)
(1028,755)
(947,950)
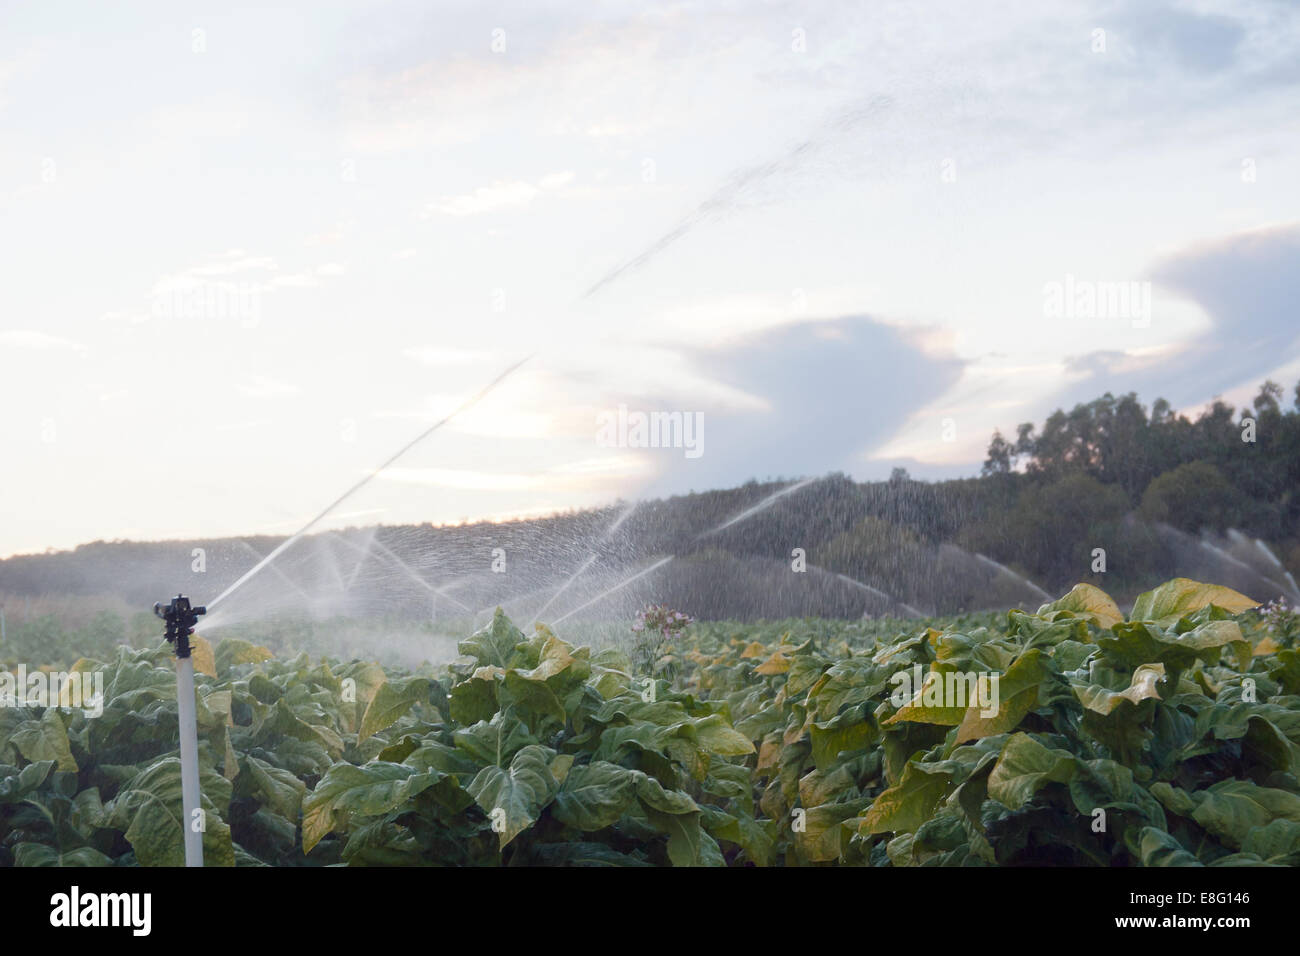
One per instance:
(289,542)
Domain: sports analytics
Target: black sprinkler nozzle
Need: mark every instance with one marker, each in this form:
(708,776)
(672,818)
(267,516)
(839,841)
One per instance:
(180,617)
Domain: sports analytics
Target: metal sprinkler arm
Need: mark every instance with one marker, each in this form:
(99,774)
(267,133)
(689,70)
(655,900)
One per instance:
(180,618)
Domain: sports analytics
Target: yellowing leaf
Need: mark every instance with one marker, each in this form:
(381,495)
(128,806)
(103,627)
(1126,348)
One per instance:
(560,766)
(906,805)
(778,663)
(1085,600)
(715,736)
(1167,603)
(769,754)
(556,657)
(232,651)
(205,661)
(1017,696)
(1143,686)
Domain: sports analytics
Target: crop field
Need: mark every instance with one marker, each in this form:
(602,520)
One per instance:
(1071,736)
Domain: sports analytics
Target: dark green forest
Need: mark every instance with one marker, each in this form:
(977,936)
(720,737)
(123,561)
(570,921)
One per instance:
(1069,486)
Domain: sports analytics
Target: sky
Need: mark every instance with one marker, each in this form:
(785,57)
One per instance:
(251,250)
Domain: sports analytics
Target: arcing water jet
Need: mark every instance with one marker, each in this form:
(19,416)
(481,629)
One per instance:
(289,542)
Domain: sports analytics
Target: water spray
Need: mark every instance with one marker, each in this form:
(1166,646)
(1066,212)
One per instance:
(289,542)
(180,617)
(622,584)
(626,513)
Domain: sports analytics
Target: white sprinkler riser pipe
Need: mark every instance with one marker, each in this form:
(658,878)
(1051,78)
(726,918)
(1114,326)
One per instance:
(189,760)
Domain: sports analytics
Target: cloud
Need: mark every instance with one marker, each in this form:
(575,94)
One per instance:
(1246,284)
(224,285)
(556,180)
(748,184)
(233,263)
(1198,43)
(335,234)
(500,195)
(463,479)
(437,357)
(14,66)
(583,473)
(39,341)
(828,391)
(425,86)
(485,199)
(259,386)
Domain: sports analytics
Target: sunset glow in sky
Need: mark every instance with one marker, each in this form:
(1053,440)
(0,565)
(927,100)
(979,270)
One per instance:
(288,243)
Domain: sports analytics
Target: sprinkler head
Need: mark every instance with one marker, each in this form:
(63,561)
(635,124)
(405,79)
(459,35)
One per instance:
(180,617)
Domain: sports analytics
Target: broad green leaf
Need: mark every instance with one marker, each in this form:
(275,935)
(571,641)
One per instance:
(493,644)
(284,721)
(715,736)
(584,854)
(826,786)
(45,739)
(595,795)
(1136,643)
(1101,783)
(675,814)
(1017,692)
(846,732)
(1146,680)
(474,699)
(216,705)
(36,854)
(367,791)
(936,701)
(1025,767)
(616,741)
(1158,848)
(1231,809)
(278,789)
(531,700)
(494,741)
(1285,669)
(434,755)
(150,808)
(1181,596)
(561,764)
(822,837)
(514,797)
(909,803)
(391,702)
(1276,842)
(611,672)
(15,784)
